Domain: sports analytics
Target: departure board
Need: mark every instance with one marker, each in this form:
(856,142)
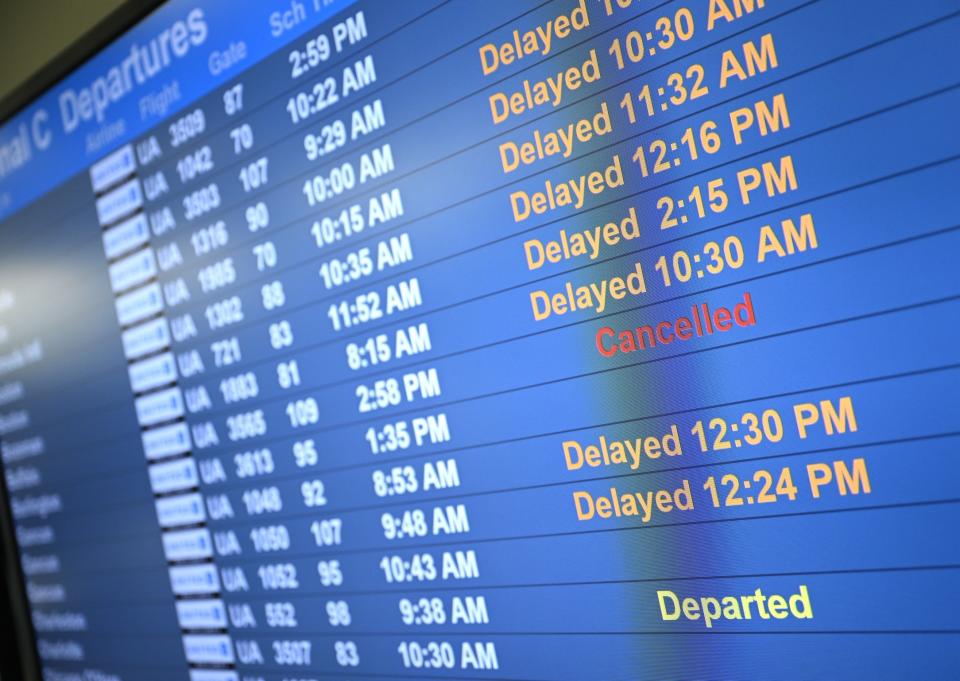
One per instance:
(578,340)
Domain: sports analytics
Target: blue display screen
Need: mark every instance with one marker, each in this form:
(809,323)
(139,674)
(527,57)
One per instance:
(578,340)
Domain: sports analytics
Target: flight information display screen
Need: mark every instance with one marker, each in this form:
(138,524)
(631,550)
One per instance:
(576,340)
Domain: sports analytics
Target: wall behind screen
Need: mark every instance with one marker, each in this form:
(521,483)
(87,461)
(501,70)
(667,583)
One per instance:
(34,33)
